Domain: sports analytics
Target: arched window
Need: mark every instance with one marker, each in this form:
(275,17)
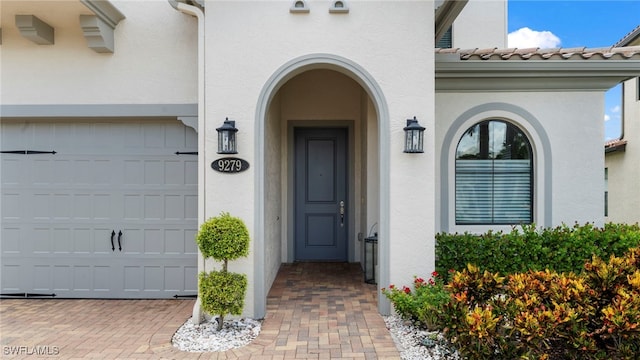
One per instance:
(494,175)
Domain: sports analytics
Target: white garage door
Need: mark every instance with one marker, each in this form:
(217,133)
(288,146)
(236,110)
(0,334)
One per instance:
(112,214)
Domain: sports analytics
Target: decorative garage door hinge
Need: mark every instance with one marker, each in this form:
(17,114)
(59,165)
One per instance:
(26,295)
(186,153)
(27,152)
(190,296)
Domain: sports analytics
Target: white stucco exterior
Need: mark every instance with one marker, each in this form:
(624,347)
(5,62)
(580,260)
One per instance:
(481,24)
(154,61)
(558,196)
(273,70)
(405,91)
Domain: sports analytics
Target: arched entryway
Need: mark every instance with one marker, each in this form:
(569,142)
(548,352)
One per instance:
(319,108)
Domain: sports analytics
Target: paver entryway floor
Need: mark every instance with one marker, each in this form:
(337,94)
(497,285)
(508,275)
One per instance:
(314,311)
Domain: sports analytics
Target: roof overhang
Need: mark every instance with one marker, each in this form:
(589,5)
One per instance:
(615,146)
(454,73)
(446,14)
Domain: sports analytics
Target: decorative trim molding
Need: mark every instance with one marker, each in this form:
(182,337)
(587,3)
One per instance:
(546,75)
(35,29)
(98,33)
(190,121)
(105,11)
(299,7)
(99,110)
(543,197)
(339,7)
(98,29)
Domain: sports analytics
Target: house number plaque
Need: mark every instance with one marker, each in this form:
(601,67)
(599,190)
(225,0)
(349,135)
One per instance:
(230,165)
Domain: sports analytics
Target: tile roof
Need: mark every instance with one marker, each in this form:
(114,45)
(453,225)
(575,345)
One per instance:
(615,145)
(578,53)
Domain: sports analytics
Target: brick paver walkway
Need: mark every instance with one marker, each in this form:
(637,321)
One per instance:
(314,311)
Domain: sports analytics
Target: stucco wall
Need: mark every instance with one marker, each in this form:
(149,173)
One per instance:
(567,189)
(154,60)
(481,24)
(624,167)
(274,197)
(392,42)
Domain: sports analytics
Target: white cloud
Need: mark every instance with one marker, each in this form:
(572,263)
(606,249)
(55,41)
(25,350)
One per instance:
(615,109)
(527,38)
(607,117)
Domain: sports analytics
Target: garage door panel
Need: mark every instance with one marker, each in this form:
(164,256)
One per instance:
(12,204)
(42,170)
(13,172)
(59,211)
(62,241)
(153,207)
(11,275)
(82,241)
(191,173)
(153,241)
(174,241)
(40,240)
(174,173)
(190,247)
(153,172)
(102,207)
(133,172)
(174,207)
(42,278)
(10,240)
(62,278)
(62,206)
(82,206)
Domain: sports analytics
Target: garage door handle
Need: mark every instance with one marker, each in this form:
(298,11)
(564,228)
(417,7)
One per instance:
(113,233)
(119,237)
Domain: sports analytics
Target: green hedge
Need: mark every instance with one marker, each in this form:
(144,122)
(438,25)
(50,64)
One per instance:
(561,249)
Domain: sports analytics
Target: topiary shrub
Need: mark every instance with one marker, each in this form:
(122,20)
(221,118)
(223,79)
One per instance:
(223,238)
(222,292)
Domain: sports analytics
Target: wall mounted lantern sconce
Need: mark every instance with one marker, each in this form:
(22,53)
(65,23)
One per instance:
(413,137)
(227,137)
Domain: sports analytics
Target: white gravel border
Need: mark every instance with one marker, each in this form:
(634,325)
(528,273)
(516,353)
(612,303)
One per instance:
(413,343)
(205,337)
(416,344)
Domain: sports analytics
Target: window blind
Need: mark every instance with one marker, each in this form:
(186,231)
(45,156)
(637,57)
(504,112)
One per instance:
(493,191)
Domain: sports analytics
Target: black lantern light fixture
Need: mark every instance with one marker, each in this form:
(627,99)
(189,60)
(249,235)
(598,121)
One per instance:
(227,137)
(413,137)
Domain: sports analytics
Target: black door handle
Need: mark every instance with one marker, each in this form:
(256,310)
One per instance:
(119,237)
(113,233)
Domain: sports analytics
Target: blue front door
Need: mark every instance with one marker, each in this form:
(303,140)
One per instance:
(321,194)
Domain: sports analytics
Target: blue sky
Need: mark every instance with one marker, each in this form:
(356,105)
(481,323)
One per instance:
(574,23)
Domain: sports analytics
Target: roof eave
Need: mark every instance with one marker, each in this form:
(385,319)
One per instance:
(543,75)
(446,14)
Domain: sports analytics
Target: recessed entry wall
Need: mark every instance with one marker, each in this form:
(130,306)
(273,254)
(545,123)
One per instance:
(316,98)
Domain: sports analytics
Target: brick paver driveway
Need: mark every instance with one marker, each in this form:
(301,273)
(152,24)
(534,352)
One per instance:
(314,311)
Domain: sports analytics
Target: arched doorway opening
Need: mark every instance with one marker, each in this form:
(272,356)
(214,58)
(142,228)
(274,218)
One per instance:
(302,107)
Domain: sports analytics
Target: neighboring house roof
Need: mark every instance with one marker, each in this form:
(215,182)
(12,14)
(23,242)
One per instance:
(632,38)
(615,145)
(577,53)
